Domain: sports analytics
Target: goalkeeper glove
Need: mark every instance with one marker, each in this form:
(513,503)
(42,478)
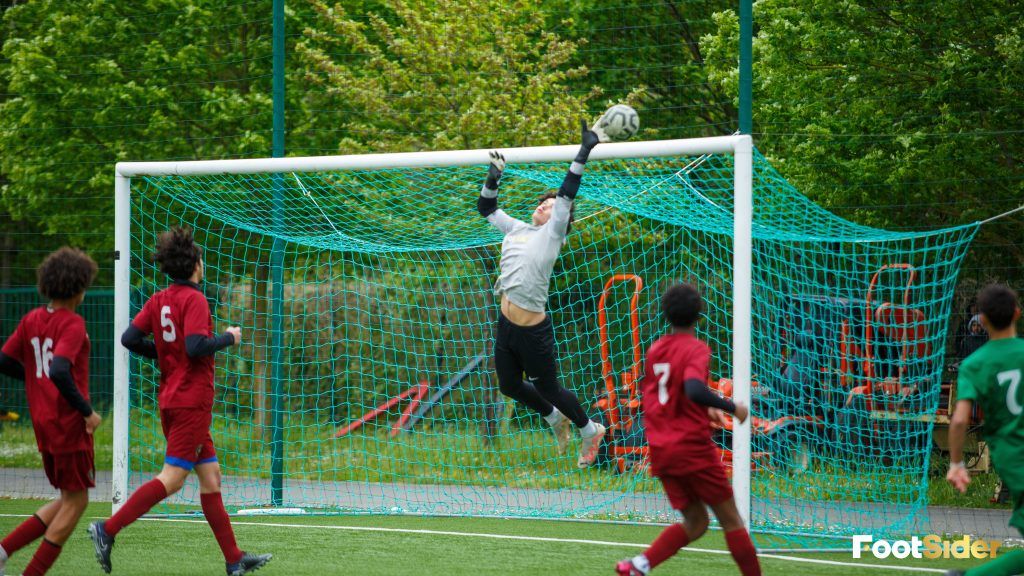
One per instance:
(487,202)
(589,139)
(494,171)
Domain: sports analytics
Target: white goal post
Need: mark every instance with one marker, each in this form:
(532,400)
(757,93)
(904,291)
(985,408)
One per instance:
(740,146)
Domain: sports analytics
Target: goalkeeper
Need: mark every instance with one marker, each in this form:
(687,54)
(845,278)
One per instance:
(991,377)
(525,339)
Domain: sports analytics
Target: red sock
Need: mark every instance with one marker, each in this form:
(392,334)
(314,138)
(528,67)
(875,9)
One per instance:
(743,552)
(667,544)
(220,523)
(147,496)
(23,535)
(44,557)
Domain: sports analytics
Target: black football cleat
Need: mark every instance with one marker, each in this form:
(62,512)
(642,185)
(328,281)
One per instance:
(102,542)
(248,563)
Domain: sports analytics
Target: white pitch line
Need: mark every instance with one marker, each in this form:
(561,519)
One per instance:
(549,539)
(532,539)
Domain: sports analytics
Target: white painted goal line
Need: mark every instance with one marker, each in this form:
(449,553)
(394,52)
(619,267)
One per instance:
(551,539)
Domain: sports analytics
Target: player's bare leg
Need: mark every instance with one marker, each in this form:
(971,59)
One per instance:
(737,538)
(71,506)
(670,541)
(172,477)
(236,561)
(33,528)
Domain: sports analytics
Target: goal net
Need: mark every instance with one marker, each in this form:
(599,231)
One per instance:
(364,289)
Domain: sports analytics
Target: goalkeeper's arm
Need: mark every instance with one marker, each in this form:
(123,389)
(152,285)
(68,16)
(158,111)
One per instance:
(562,212)
(487,203)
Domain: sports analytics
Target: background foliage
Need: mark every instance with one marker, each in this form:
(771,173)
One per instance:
(898,115)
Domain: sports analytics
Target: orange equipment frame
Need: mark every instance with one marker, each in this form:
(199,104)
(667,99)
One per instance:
(621,412)
(903,320)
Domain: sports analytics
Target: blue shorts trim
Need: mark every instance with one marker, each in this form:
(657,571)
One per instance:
(207,460)
(179,462)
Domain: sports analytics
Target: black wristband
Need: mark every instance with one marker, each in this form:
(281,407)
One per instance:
(486,206)
(493,180)
(583,154)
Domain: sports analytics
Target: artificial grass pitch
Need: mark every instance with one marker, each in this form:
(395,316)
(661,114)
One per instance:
(320,545)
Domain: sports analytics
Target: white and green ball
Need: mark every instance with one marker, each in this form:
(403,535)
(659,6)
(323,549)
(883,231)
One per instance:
(620,122)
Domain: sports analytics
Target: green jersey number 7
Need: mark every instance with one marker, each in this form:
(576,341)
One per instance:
(1011,378)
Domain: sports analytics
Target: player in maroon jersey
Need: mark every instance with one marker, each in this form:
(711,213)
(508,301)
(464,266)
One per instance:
(677,409)
(49,350)
(183,346)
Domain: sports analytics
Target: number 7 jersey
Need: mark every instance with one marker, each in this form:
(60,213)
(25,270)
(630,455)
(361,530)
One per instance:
(993,377)
(678,429)
(171,315)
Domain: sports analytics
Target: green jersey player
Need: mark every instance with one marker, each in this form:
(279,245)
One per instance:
(992,378)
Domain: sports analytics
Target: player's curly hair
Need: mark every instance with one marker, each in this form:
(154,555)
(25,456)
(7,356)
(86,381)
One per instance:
(999,304)
(65,274)
(682,305)
(177,253)
(554,194)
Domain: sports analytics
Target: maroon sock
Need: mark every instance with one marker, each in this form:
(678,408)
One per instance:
(667,544)
(44,557)
(220,523)
(26,533)
(147,496)
(743,552)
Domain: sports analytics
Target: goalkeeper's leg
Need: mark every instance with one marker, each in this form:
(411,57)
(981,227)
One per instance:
(507,346)
(536,346)
(510,373)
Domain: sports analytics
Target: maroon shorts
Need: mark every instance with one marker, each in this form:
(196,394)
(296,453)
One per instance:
(187,431)
(72,471)
(708,485)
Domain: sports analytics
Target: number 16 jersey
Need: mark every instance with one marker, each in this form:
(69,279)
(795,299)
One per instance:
(42,334)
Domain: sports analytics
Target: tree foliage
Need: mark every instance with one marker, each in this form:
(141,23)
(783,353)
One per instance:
(99,81)
(655,49)
(900,115)
(443,74)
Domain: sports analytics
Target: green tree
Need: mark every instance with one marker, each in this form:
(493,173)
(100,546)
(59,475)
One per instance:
(96,82)
(900,115)
(442,74)
(652,47)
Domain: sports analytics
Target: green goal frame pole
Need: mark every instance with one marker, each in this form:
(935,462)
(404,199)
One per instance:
(277,270)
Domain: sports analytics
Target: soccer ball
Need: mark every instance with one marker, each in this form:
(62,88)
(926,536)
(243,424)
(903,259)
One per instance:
(620,122)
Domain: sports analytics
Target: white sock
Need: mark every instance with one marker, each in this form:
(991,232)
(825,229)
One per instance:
(640,563)
(554,417)
(590,430)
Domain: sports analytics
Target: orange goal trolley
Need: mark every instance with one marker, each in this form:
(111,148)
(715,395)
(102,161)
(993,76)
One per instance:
(619,402)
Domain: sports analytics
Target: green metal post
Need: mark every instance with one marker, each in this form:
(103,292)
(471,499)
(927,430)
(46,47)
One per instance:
(746,65)
(277,270)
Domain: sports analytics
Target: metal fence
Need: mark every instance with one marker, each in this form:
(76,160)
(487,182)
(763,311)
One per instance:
(98,311)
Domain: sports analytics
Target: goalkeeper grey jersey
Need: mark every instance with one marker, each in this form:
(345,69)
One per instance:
(528,255)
